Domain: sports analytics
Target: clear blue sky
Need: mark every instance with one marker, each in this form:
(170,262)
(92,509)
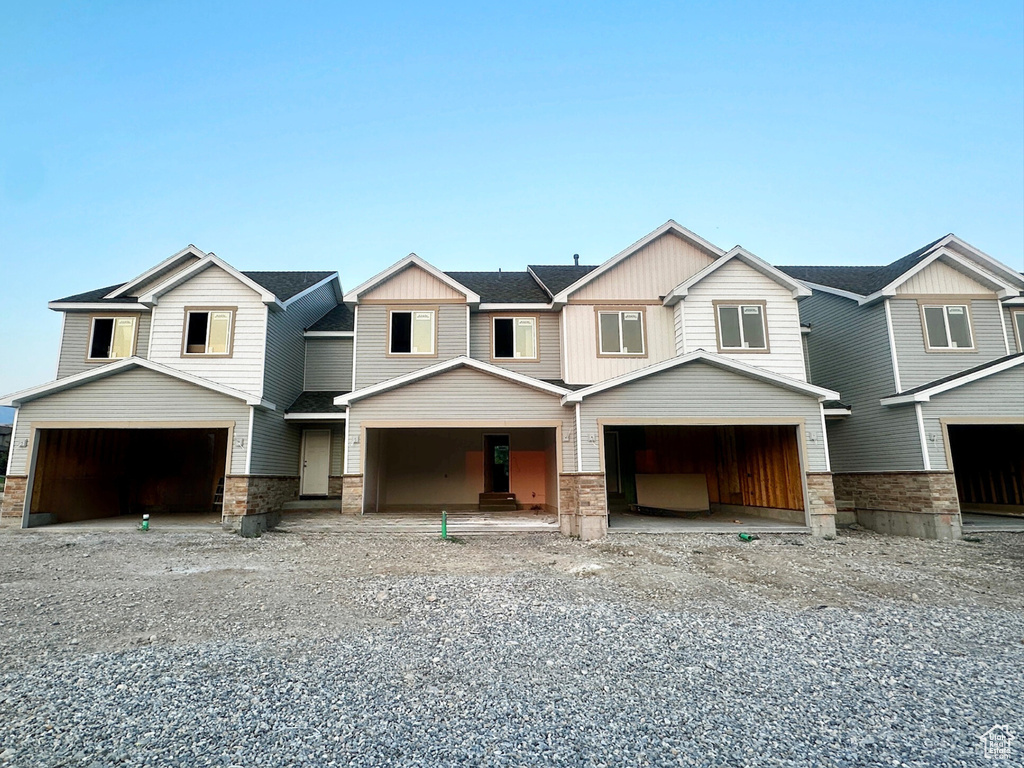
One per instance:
(344,136)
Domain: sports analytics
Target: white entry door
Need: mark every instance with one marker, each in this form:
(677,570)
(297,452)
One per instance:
(316,461)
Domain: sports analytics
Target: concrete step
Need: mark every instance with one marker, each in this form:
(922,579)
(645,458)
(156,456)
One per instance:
(309,505)
(499,507)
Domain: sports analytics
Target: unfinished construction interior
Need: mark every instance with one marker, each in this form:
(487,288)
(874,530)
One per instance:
(988,463)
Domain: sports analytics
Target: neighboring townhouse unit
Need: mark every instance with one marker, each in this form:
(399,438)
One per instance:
(672,375)
(927,351)
(170,395)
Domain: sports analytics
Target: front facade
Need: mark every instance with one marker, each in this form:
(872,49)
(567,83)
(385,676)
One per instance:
(927,351)
(671,376)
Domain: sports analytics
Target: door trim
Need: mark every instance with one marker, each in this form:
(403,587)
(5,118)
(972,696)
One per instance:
(508,437)
(302,463)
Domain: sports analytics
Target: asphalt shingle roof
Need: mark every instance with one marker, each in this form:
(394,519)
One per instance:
(503,287)
(98,294)
(959,374)
(860,280)
(341,318)
(558,277)
(317,402)
(284,285)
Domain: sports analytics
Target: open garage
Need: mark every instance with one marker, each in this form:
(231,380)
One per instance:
(89,473)
(988,463)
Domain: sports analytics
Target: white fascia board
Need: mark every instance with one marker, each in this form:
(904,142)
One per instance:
(325,281)
(717,360)
(210,260)
(679,293)
(1002,288)
(442,367)
(837,412)
(87,306)
(669,226)
(804,330)
(512,307)
(329,334)
(189,250)
(927,394)
(315,416)
(995,265)
(834,291)
(111,369)
(1015,301)
(408,261)
(540,283)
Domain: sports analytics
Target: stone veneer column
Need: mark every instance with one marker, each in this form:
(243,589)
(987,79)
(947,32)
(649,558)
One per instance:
(821,498)
(922,504)
(352,495)
(583,505)
(13,503)
(255,495)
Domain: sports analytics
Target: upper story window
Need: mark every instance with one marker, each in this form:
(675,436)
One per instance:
(1018,327)
(741,327)
(514,338)
(112,338)
(947,326)
(209,331)
(621,332)
(411,331)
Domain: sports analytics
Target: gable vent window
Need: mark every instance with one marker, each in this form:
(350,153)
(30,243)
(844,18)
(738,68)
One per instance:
(741,327)
(622,332)
(208,331)
(948,327)
(515,338)
(112,338)
(412,332)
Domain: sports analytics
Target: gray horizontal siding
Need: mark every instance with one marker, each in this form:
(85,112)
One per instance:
(138,396)
(1000,396)
(462,395)
(849,352)
(548,366)
(918,367)
(275,445)
(699,391)
(372,362)
(328,365)
(74,344)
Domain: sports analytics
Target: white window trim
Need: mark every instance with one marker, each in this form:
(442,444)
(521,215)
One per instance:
(433,332)
(743,347)
(1018,331)
(230,333)
(620,312)
(515,353)
(945,321)
(92,331)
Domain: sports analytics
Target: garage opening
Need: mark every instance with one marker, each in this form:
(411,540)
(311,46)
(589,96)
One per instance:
(85,474)
(988,463)
(706,474)
(461,470)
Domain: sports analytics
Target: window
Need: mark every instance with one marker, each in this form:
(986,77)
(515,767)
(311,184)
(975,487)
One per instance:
(621,332)
(948,327)
(741,327)
(1018,327)
(412,332)
(515,338)
(208,331)
(112,338)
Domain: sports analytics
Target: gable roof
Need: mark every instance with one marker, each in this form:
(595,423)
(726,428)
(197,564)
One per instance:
(186,253)
(678,293)
(443,367)
(97,296)
(557,277)
(924,393)
(111,369)
(412,260)
(503,287)
(701,356)
(319,403)
(339,319)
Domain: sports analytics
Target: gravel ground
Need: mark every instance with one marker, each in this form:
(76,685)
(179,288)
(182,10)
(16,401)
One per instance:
(311,648)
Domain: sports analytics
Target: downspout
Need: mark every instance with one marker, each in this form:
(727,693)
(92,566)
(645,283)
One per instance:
(579,441)
(924,441)
(892,348)
(824,437)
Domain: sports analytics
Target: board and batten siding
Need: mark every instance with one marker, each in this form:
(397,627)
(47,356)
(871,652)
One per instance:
(138,396)
(328,365)
(585,366)
(917,366)
(213,287)
(940,278)
(549,363)
(737,281)
(412,284)
(649,273)
(461,395)
(849,352)
(374,365)
(997,397)
(74,344)
(697,392)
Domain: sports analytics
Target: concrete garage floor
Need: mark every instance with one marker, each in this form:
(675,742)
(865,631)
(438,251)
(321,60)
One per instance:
(176,521)
(977,523)
(628,522)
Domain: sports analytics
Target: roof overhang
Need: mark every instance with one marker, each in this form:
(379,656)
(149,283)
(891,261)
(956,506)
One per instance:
(329,334)
(795,287)
(98,306)
(411,260)
(448,365)
(190,251)
(701,356)
(334,281)
(669,226)
(509,306)
(151,298)
(834,412)
(316,416)
(112,369)
(927,393)
(1002,288)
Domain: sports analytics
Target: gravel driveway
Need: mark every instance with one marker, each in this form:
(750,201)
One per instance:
(307,647)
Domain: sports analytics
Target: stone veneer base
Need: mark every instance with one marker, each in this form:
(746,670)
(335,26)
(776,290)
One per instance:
(583,505)
(921,504)
(821,500)
(12,505)
(255,495)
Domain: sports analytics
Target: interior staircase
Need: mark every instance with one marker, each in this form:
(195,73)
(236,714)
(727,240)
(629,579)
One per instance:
(498,502)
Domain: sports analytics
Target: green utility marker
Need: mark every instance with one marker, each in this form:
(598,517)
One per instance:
(145,523)
(749,536)
(444,524)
